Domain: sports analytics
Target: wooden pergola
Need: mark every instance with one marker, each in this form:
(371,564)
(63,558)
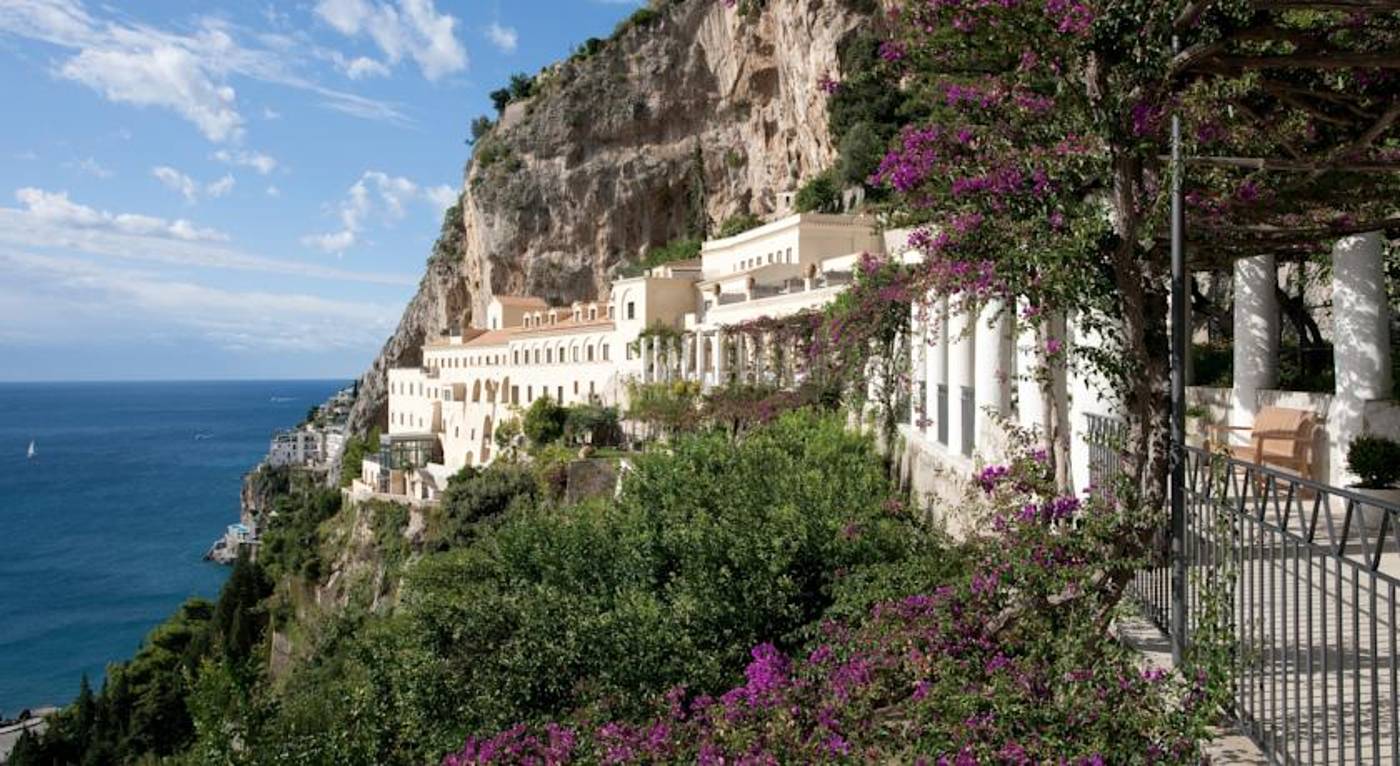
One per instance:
(1296,54)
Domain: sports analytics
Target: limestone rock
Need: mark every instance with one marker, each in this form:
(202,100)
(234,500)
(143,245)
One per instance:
(600,165)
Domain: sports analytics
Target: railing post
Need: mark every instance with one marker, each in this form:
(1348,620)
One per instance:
(1180,336)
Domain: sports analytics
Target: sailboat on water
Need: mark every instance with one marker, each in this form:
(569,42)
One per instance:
(32,451)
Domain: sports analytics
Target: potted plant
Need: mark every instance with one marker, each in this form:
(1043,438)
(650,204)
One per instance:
(1375,460)
(1197,419)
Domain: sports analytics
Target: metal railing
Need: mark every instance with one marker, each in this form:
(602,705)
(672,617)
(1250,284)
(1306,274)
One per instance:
(1310,601)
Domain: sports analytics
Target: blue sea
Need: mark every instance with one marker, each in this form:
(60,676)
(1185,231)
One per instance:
(102,533)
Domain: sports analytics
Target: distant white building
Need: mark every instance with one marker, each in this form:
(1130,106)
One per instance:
(443,415)
(299,446)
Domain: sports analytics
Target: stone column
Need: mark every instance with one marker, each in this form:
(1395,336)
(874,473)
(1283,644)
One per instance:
(993,356)
(1030,363)
(721,358)
(1361,350)
(918,364)
(938,367)
(741,357)
(962,332)
(687,346)
(1256,335)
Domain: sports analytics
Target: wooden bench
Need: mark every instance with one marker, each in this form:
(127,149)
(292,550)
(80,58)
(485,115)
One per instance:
(1281,437)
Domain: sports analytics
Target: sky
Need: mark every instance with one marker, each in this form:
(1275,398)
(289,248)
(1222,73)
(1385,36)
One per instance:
(240,189)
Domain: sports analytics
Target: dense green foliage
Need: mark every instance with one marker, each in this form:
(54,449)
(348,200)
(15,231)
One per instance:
(676,250)
(711,544)
(290,543)
(476,495)
(521,608)
(356,450)
(865,113)
(820,194)
(143,710)
(738,224)
(543,421)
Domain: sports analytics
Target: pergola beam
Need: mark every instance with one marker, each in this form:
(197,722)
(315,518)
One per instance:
(1293,166)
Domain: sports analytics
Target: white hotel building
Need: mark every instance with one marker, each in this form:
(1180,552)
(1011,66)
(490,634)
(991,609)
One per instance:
(967,373)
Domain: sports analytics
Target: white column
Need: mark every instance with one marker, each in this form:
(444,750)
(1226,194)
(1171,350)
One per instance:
(961,365)
(1361,346)
(686,347)
(741,357)
(702,360)
(919,363)
(1256,334)
(993,356)
(644,349)
(938,366)
(1030,363)
(721,358)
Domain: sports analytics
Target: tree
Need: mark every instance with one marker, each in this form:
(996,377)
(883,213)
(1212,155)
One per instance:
(1039,177)
(356,450)
(544,421)
(500,98)
(481,125)
(819,195)
(738,224)
(522,86)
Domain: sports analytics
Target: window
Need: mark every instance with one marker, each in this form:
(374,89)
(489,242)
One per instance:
(590,388)
(576,388)
(631,309)
(605,352)
(529,394)
(537,356)
(789,255)
(549,356)
(515,394)
(559,390)
(515,356)
(590,353)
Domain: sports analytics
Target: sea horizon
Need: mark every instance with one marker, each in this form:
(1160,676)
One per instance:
(106,527)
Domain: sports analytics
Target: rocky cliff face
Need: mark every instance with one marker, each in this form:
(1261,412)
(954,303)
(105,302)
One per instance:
(702,112)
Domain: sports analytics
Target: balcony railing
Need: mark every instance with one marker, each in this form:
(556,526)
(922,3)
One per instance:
(1308,576)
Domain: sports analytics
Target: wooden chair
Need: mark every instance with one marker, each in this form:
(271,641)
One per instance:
(1280,438)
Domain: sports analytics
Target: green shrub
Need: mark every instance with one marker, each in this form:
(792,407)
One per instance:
(480,127)
(1375,460)
(820,194)
(711,546)
(543,422)
(356,450)
(593,423)
(675,250)
(738,224)
(473,497)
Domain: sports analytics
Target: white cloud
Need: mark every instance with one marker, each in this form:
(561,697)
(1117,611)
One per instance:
(273,191)
(263,163)
(91,167)
(50,221)
(376,191)
(188,73)
(399,28)
(442,196)
(189,188)
(177,181)
(271,114)
(56,208)
(220,187)
(137,302)
(164,75)
(362,67)
(504,38)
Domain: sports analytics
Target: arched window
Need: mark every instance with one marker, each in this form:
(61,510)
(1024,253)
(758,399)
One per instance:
(590,352)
